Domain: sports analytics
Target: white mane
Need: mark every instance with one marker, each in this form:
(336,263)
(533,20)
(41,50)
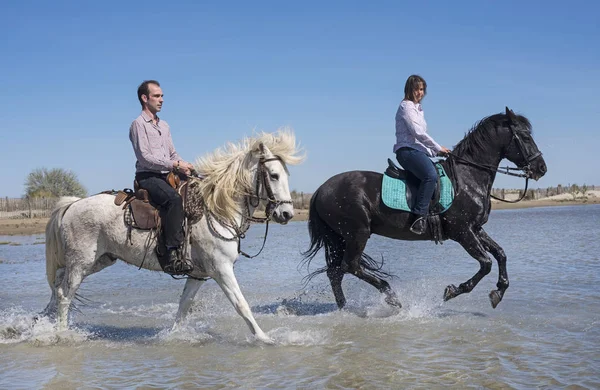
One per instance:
(227,176)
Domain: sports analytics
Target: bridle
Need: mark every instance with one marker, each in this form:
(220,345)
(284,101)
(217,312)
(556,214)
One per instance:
(526,168)
(239,232)
(262,173)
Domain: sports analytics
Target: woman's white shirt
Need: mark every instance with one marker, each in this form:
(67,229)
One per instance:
(411,129)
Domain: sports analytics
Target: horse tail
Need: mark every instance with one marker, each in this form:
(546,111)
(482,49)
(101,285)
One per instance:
(54,242)
(321,235)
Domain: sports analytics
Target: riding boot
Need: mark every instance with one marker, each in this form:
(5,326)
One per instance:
(419,225)
(176,264)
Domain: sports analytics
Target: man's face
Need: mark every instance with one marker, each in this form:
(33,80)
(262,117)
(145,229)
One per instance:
(154,100)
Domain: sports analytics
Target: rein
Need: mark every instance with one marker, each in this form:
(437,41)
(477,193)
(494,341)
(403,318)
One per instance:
(505,170)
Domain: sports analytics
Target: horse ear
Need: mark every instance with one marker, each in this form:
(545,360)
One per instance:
(261,148)
(511,115)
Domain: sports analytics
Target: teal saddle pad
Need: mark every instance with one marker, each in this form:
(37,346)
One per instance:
(400,195)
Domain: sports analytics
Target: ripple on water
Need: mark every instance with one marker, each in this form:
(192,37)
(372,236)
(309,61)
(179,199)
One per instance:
(545,332)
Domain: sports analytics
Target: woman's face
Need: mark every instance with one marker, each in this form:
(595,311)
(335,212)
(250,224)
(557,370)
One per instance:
(419,93)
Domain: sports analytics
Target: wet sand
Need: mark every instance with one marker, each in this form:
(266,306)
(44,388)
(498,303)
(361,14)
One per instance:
(22,227)
(18,227)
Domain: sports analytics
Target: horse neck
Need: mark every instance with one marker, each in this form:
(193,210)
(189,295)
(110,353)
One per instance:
(483,179)
(195,206)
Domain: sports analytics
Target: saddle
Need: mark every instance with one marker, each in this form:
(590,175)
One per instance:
(139,213)
(137,204)
(399,189)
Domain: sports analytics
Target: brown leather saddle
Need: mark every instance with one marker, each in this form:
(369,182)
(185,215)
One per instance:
(139,212)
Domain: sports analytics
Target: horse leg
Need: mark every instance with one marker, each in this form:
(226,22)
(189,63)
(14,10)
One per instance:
(102,262)
(352,257)
(187,297)
(471,243)
(498,253)
(228,283)
(336,275)
(50,310)
(66,292)
(72,276)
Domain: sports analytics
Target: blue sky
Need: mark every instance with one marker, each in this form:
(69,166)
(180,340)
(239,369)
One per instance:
(333,71)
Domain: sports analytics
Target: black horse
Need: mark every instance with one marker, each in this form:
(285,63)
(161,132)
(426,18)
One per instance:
(347,209)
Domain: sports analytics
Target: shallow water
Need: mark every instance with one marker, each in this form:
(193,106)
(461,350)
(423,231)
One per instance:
(545,333)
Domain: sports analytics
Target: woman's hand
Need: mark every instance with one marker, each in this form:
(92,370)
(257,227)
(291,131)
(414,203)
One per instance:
(444,151)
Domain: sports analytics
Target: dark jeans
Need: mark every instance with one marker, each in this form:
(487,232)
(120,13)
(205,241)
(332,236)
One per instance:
(420,165)
(169,205)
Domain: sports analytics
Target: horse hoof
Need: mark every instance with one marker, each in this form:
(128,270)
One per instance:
(393,301)
(495,298)
(266,340)
(450,292)
(341,304)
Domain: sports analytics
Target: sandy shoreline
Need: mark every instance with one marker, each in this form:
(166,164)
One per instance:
(22,227)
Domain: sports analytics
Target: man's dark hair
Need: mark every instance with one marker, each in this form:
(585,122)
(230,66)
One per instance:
(412,83)
(144,90)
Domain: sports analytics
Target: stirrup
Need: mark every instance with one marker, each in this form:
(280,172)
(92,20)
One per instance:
(178,267)
(419,225)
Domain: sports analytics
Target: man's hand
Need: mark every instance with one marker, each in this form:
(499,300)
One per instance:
(183,167)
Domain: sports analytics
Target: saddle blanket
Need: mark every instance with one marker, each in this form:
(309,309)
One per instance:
(400,195)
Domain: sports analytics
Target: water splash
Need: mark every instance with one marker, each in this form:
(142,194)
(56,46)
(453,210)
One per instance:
(18,325)
(188,332)
(287,337)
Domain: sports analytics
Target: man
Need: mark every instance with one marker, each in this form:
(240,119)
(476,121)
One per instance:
(156,157)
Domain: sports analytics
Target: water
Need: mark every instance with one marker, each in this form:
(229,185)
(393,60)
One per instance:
(544,334)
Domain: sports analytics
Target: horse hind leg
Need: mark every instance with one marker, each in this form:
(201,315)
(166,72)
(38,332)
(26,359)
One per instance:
(336,275)
(65,294)
(353,257)
(74,273)
(51,308)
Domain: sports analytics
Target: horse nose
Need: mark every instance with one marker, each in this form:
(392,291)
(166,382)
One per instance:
(543,168)
(287,215)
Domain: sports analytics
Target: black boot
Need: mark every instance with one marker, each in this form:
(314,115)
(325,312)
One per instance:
(177,265)
(419,225)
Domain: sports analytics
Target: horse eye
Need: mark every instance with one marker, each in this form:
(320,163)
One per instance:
(274,176)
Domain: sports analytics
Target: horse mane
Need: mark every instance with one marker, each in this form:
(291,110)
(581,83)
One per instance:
(226,177)
(485,131)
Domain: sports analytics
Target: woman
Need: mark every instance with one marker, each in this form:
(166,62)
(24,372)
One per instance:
(414,147)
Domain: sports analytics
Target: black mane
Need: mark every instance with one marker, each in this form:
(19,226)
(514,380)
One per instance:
(486,131)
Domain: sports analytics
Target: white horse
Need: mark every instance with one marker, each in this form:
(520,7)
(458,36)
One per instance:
(83,236)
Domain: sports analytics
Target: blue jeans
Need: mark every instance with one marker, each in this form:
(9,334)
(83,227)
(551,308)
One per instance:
(420,165)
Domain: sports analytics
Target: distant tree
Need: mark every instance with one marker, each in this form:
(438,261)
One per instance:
(584,189)
(574,190)
(42,182)
(297,199)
